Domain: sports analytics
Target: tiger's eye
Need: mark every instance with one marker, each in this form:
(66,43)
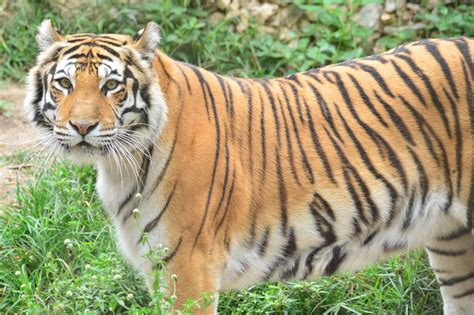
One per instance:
(111,84)
(65,83)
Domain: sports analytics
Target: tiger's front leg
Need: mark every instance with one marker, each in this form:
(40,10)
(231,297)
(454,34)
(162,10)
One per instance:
(192,281)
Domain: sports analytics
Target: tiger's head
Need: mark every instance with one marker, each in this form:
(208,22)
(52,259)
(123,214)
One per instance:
(96,95)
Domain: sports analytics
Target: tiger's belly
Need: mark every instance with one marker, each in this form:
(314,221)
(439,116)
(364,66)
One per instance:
(308,252)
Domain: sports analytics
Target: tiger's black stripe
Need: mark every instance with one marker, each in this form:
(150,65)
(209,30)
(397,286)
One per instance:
(458,137)
(289,145)
(376,138)
(271,100)
(263,138)
(422,122)
(445,252)
(379,79)
(294,91)
(367,101)
(152,224)
(325,205)
(336,260)
(323,106)
(226,175)
(216,161)
(262,247)
(282,194)
(464,294)
(466,54)
(304,158)
(463,231)
(317,145)
(424,181)
(347,178)
(470,105)
(409,212)
(168,258)
(409,83)
(433,50)
(224,92)
(368,163)
(229,198)
(202,83)
(186,79)
(289,249)
(396,119)
(432,91)
(168,75)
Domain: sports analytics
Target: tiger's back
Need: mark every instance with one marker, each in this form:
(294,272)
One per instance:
(253,180)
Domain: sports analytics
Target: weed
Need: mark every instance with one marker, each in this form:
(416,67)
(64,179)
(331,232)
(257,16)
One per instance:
(5,107)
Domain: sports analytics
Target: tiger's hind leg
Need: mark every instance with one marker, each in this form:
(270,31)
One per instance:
(452,259)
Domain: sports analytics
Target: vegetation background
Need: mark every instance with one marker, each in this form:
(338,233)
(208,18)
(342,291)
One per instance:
(57,248)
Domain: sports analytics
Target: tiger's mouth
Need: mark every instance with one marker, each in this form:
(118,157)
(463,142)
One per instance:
(86,147)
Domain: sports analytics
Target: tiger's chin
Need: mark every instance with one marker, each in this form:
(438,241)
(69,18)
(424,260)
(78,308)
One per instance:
(85,154)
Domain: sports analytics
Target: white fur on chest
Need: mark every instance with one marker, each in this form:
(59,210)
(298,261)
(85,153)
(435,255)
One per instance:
(112,189)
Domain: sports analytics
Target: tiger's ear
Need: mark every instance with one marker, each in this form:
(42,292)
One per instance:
(47,35)
(147,39)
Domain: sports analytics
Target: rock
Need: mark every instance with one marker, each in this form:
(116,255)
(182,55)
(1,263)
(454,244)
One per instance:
(311,15)
(278,2)
(379,48)
(396,29)
(414,7)
(215,18)
(247,3)
(263,12)
(434,3)
(285,34)
(235,5)
(267,30)
(303,23)
(393,5)
(386,17)
(287,16)
(369,16)
(221,4)
(244,24)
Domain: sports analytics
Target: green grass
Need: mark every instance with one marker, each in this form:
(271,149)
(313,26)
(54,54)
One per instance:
(41,272)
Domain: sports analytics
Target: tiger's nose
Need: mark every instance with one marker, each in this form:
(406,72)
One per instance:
(83,127)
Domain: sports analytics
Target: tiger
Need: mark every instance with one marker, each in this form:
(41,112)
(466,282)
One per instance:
(240,181)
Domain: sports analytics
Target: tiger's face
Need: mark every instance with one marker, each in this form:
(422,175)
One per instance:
(96,96)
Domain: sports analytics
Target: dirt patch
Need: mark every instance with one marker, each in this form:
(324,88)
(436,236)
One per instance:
(15,132)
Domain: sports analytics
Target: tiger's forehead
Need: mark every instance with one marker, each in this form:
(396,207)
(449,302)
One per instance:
(113,39)
(99,55)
